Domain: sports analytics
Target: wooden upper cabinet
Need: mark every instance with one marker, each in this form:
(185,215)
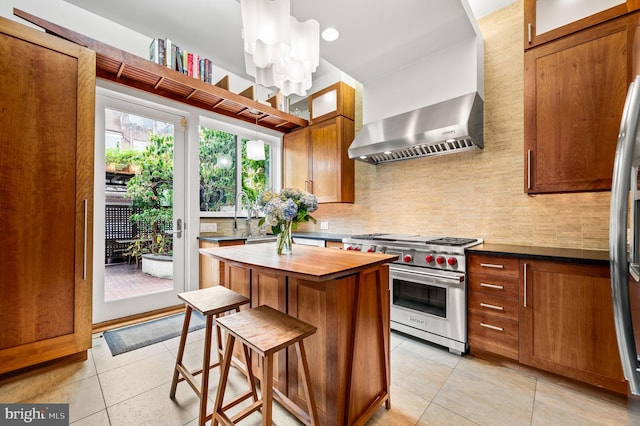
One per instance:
(46,196)
(332,172)
(296,159)
(337,99)
(546,20)
(316,158)
(575,89)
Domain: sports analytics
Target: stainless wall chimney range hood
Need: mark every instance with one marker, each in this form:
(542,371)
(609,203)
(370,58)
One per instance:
(450,126)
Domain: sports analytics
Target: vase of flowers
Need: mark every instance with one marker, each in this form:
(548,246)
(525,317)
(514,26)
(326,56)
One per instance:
(284,211)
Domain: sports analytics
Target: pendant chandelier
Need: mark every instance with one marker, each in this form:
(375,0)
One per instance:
(278,50)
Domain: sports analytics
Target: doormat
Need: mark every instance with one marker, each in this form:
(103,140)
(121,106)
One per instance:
(137,336)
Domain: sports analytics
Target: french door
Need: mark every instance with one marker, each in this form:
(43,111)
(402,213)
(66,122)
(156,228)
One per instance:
(139,208)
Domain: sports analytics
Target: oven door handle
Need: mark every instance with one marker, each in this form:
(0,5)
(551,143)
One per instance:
(456,278)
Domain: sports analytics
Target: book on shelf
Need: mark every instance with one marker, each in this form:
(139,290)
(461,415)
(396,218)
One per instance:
(166,53)
(178,60)
(157,51)
(168,47)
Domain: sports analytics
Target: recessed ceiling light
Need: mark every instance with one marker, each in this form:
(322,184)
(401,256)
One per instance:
(330,34)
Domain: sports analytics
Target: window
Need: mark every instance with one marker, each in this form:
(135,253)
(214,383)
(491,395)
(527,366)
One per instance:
(221,179)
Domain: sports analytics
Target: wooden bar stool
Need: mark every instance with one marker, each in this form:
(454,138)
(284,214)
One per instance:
(266,331)
(210,302)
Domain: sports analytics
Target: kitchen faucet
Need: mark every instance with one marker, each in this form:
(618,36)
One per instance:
(235,211)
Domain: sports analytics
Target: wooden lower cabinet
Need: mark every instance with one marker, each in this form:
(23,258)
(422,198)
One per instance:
(493,304)
(566,323)
(334,244)
(212,270)
(555,316)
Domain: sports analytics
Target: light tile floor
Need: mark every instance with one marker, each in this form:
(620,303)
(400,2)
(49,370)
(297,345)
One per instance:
(429,386)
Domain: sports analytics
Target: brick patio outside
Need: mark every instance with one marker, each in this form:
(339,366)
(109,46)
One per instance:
(123,281)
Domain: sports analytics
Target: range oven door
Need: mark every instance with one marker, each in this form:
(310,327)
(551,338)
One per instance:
(433,303)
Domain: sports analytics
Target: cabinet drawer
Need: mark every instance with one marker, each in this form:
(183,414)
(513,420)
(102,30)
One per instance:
(494,265)
(494,334)
(494,305)
(494,285)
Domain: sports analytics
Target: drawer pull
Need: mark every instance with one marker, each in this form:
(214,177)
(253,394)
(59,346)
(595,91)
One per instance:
(492,265)
(492,327)
(499,287)
(486,305)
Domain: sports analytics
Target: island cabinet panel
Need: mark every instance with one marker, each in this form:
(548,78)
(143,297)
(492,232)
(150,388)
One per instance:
(46,196)
(268,288)
(348,355)
(566,322)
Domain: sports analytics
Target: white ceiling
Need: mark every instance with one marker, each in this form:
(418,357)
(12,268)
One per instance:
(376,37)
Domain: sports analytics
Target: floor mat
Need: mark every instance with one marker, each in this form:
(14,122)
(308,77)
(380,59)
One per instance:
(137,336)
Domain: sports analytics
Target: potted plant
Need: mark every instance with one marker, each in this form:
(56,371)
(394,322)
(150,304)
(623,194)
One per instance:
(151,193)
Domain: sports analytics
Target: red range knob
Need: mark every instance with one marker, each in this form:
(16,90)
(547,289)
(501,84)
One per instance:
(356,248)
(349,248)
(429,258)
(452,261)
(407,258)
(371,250)
(440,260)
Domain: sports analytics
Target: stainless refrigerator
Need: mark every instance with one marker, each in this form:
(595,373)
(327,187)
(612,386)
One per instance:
(624,243)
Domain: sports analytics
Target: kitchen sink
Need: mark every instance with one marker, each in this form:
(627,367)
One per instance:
(261,239)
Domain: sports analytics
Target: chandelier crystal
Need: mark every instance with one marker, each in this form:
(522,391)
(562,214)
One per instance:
(278,50)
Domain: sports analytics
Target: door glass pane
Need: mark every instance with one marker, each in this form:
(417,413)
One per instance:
(138,205)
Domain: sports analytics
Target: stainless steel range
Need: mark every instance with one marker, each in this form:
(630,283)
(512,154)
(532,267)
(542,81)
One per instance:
(428,284)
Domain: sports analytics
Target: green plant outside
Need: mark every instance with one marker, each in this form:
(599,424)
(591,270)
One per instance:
(218,186)
(151,191)
(122,159)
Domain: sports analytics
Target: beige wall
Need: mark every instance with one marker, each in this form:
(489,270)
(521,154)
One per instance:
(475,194)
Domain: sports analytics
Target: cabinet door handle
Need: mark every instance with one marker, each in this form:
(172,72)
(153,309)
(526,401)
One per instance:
(492,327)
(491,265)
(486,305)
(529,28)
(497,287)
(524,301)
(529,169)
(84,250)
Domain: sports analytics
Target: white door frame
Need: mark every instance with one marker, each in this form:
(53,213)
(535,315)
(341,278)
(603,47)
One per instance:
(104,311)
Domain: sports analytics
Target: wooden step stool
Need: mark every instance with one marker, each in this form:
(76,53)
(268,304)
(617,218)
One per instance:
(266,331)
(210,302)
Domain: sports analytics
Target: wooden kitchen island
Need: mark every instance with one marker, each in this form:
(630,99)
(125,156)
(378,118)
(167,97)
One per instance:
(345,295)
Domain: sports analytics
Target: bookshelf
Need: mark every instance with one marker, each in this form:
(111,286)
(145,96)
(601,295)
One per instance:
(131,70)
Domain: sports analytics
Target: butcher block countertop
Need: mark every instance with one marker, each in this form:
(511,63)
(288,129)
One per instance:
(311,263)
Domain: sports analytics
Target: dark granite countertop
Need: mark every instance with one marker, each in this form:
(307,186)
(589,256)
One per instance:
(219,238)
(309,235)
(594,257)
(320,236)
